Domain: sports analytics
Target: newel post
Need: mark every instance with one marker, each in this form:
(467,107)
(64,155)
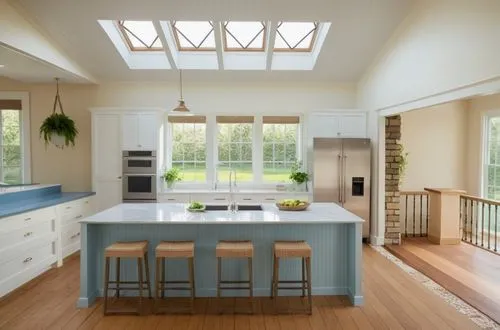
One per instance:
(444,215)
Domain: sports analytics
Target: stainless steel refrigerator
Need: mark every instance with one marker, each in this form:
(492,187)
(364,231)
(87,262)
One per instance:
(342,175)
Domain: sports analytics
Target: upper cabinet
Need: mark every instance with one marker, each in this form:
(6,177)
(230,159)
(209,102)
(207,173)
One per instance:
(345,124)
(140,131)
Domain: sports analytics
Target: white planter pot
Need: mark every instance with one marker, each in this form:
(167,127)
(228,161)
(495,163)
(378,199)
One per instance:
(58,141)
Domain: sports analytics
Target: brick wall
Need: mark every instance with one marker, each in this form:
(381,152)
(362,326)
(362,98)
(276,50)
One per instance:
(392,158)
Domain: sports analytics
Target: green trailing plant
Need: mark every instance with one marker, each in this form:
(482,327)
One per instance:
(403,163)
(58,124)
(297,175)
(172,175)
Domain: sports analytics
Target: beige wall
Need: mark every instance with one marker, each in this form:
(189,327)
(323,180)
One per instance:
(72,166)
(478,108)
(436,140)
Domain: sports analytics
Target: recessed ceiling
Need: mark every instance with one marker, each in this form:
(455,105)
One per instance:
(358,32)
(20,67)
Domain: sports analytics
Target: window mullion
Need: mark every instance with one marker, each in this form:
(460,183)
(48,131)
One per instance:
(1,147)
(258,150)
(211,149)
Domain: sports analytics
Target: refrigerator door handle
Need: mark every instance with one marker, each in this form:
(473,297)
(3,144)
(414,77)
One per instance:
(341,171)
(344,165)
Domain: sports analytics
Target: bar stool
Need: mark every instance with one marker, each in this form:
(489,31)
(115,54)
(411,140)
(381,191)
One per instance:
(120,250)
(235,249)
(293,249)
(174,249)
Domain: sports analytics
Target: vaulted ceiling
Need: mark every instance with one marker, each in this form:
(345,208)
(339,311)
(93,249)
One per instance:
(359,29)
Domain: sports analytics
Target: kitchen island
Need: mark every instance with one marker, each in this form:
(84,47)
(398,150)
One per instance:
(333,233)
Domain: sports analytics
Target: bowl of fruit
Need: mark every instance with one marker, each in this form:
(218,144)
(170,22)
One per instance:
(292,205)
(196,207)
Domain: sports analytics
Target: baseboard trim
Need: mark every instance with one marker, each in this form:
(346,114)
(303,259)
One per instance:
(85,302)
(355,300)
(443,241)
(376,240)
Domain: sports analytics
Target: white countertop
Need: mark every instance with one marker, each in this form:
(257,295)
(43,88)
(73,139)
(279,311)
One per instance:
(239,191)
(168,213)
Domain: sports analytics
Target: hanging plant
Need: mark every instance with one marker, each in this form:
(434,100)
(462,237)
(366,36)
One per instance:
(58,128)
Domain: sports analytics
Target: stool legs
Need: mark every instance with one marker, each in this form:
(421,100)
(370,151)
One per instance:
(191,279)
(305,282)
(148,279)
(249,282)
(117,277)
(106,285)
(219,275)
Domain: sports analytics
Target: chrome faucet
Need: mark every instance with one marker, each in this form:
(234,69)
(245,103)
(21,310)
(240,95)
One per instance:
(233,207)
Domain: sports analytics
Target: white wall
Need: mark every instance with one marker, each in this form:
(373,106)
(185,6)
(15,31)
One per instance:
(72,166)
(435,139)
(442,46)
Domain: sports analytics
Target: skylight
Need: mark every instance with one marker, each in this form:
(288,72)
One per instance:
(194,35)
(295,36)
(244,36)
(140,35)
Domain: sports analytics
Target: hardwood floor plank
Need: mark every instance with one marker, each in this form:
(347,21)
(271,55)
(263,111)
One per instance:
(393,300)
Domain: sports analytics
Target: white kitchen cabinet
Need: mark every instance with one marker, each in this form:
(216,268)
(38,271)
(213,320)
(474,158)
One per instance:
(350,124)
(223,197)
(107,159)
(28,247)
(140,131)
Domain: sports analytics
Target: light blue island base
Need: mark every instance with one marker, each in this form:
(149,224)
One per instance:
(336,260)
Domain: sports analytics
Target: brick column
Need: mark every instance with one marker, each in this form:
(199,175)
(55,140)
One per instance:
(392,158)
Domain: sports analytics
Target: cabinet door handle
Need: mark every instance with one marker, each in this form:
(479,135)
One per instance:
(27,219)
(27,259)
(219,199)
(68,207)
(269,199)
(78,216)
(171,199)
(247,199)
(75,235)
(28,234)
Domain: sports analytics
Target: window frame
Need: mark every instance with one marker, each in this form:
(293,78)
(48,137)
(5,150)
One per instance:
(294,49)
(25,131)
(212,151)
(121,28)
(225,32)
(200,48)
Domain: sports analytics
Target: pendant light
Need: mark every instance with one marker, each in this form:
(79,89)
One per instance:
(181,108)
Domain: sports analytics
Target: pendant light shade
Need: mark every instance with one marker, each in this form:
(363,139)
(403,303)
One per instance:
(181,108)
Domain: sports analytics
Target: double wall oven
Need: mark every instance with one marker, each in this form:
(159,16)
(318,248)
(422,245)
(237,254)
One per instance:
(139,175)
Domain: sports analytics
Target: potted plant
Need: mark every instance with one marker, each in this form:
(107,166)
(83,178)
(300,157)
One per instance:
(171,176)
(299,177)
(58,128)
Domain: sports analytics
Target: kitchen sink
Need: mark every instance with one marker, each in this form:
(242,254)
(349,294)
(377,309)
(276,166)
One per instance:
(219,207)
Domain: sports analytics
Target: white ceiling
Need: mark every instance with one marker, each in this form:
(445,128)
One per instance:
(358,32)
(25,68)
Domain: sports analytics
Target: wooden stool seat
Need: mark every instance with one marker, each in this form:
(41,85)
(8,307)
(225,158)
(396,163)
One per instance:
(118,250)
(169,250)
(173,249)
(293,249)
(126,249)
(287,249)
(234,249)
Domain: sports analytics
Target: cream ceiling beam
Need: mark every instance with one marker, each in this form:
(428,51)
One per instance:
(271,32)
(20,35)
(165,35)
(218,44)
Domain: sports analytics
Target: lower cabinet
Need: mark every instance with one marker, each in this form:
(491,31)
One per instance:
(32,242)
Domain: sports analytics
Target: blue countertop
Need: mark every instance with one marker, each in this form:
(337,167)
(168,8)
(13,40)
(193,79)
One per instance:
(22,205)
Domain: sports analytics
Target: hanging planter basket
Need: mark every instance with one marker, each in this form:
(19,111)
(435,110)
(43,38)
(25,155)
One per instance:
(58,129)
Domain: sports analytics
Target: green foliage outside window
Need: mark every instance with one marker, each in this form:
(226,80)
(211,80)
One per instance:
(11,166)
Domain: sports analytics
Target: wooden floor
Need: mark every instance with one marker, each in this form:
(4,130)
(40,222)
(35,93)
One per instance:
(393,301)
(469,272)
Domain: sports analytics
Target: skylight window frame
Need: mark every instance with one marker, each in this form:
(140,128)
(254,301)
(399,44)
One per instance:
(298,50)
(176,31)
(122,29)
(232,49)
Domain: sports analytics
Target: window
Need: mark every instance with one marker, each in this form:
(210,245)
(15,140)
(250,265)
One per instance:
(194,35)
(295,36)
(280,135)
(244,36)
(11,169)
(234,143)
(189,147)
(492,159)
(140,35)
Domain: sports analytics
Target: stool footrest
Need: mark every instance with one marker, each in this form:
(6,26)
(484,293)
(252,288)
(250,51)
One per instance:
(235,288)
(291,281)
(128,289)
(233,282)
(289,288)
(175,282)
(124,282)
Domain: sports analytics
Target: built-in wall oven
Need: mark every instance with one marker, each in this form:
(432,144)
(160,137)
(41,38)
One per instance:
(139,175)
